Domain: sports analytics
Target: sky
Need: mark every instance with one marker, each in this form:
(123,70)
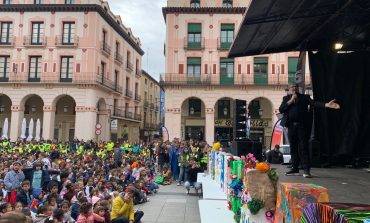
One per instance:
(145,19)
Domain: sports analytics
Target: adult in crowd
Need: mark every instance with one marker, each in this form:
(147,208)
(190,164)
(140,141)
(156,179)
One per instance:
(274,156)
(13,180)
(194,169)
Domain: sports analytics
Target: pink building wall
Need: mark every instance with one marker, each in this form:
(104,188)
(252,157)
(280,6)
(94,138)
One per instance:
(87,56)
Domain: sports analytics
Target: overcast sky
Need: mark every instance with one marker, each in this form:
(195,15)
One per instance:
(145,19)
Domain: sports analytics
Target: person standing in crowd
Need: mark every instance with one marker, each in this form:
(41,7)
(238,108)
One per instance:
(38,177)
(183,163)
(173,154)
(13,180)
(161,156)
(275,156)
(295,108)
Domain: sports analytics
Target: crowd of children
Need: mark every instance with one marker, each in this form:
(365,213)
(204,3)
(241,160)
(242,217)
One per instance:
(79,181)
(87,182)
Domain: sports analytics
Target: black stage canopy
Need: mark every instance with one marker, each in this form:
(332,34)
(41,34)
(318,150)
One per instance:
(272,26)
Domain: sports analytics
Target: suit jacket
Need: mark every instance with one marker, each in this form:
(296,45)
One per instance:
(305,105)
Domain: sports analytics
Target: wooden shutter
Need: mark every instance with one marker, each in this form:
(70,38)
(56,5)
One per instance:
(45,67)
(282,69)
(214,68)
(54,67)
(181,68)
(78,68)
(239,68)
(273,68)
(206,68)
(248,69)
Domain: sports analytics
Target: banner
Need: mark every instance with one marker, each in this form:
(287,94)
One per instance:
(277,134)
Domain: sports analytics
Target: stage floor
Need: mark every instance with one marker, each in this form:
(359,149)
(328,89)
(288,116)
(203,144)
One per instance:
(344,184)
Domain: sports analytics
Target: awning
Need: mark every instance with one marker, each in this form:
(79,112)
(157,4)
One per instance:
(273,26)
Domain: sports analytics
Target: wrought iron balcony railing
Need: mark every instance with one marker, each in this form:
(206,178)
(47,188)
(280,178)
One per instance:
(194,44)
(7,41)
(66,41)
(105,48)
(118,57)
(129,66)
(128,93)
(34,41)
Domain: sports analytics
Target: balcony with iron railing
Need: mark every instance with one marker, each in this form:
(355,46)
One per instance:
(224,43)
(66,41)
(129,115)
(7,42)
(105,49)
(129,66)
(151,105)
(194,44)
(4,78)
(138,73)
(223,80)
(118,113)
(146,104)
(137,117)
(128,93)
(55,78)
(118,58)
(34,41)
(137,97)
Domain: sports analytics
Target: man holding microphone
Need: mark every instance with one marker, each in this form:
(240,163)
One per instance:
(295,108)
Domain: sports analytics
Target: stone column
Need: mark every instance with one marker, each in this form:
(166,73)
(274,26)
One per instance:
(173,123)
(210,125)
(85,123)
(48,123)
(103,119)
(16,122)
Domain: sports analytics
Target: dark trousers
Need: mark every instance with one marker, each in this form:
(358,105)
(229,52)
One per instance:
(299,146)
(137,218)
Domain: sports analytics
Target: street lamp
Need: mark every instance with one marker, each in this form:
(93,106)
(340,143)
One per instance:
(65,109)
(33,108)
(2,108)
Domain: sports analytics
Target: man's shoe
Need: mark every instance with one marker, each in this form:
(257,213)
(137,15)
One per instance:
(292,172)
(307,174)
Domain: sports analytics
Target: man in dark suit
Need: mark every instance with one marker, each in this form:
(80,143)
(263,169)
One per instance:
(296,117)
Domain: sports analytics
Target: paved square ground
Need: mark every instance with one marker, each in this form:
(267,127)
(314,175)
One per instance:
(171,205)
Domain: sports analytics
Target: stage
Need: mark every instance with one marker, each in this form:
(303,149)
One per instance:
(345,184)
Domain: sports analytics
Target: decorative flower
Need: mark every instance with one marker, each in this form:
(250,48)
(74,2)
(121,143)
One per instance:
(274,177)
(263,167)
(255,205)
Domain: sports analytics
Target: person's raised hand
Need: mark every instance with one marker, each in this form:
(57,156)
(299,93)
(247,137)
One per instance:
(332,104)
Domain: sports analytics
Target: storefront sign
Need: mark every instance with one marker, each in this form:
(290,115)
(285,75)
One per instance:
(223,123)
(114,124)
(259,123)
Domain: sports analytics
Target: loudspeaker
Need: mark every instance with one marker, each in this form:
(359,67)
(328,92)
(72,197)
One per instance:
(240,120)
(244,147)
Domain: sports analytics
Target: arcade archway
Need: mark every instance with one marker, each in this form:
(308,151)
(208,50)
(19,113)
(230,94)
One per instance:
(193,119)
